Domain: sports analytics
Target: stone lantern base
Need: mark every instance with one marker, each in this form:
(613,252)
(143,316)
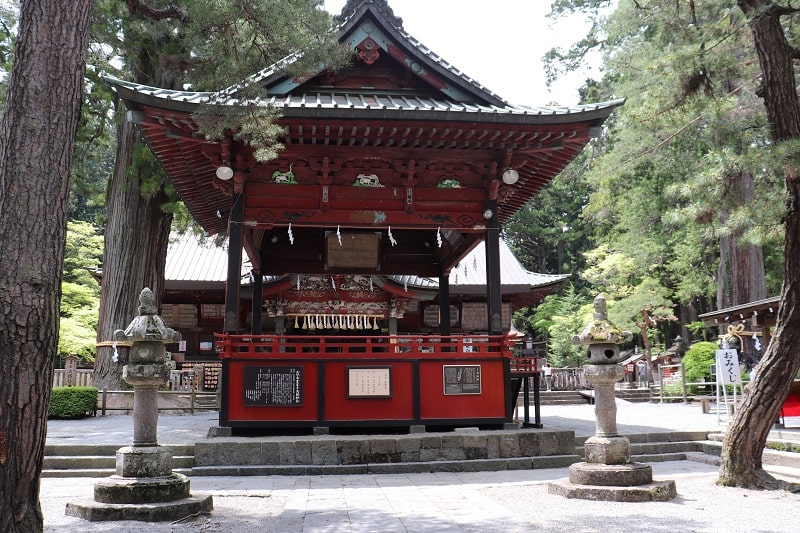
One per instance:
(655,491)
(144,488)
(143,512)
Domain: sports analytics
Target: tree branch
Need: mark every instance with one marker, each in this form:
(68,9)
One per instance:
(139,7)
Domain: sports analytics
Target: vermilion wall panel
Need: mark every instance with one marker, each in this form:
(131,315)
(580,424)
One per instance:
(338,407)
(435,404)
(238,411)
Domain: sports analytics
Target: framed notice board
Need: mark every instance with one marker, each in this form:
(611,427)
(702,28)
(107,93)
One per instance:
(369,382)
(273,386)
(461,379)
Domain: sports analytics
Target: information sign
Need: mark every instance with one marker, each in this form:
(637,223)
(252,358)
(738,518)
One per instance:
(462,379)
(369,382)
(273,385)
(728,367)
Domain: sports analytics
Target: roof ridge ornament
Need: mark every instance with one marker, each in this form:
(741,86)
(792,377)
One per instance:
(352,6)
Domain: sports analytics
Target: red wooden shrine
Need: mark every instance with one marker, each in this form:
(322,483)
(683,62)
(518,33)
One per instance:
(397,165)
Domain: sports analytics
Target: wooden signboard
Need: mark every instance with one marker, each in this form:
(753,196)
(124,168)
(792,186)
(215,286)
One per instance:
(352,250)
(431,316)
(474,318)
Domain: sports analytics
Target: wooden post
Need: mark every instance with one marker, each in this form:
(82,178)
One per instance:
(493,296)
(233,284)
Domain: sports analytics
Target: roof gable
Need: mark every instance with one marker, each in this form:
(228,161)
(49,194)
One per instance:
(385,58)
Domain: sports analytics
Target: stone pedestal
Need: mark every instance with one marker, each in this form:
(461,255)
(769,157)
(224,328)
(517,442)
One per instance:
(144,486)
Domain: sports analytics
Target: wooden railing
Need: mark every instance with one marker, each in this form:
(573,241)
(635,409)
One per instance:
(191,400)
(358,347)
(78,378)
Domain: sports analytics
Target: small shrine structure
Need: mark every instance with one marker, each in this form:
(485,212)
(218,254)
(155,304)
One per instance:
(398,165)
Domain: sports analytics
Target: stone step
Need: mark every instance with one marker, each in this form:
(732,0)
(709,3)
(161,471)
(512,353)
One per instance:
(661,437)
(770,457)
(78,462)
(95,472)
(657,449)
(107,449)
(99,460)
(417,467)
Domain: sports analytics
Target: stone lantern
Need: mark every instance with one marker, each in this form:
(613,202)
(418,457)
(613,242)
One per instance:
(607,472)
(144,487)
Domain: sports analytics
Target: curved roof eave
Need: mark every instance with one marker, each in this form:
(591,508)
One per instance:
(190,102)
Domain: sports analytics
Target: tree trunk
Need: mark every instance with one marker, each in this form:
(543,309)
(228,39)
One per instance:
(745,440)
(740,276)
(136,237)
(135,252)
(37,133)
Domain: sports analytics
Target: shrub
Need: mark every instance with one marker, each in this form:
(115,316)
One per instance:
(697,362)
(72,402)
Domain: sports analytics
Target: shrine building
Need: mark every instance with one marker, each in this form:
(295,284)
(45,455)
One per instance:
(394,170)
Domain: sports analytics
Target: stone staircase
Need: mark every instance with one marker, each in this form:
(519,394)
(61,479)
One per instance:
(659,447)
(586,396)
(99,460)
(634,395)
(558,398)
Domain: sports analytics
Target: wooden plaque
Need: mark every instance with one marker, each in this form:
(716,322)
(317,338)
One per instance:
(369,382)
(357,250)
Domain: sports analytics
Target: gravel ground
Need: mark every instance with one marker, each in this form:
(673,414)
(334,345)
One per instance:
(480,502)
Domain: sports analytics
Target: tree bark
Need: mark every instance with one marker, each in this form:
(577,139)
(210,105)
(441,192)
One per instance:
(744,442)
(740,276)
(134,255)
(37,133)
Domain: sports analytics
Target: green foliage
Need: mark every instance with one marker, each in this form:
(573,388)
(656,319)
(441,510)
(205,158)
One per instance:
(548,234)
(687,161)
(698,360)
(83,249)
(649,295)
(8,21)
(783,447)
(564,315)
(80,292)
(72,402)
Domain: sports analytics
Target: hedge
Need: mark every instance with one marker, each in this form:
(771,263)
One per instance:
(73,402)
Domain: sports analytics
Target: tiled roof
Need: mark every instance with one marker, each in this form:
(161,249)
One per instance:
(469,276)
(191,259)
(405,107)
